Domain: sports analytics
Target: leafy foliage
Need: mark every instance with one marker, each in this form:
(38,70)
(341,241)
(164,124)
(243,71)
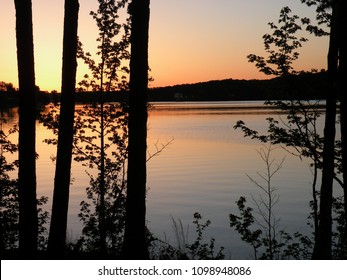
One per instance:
(87,150)
(108,127)
(267,240)
(300,247)
(9,213)
(298,133)
(298,130)
(281,46)
(88,131)
(115,154)
(6,87)
(339,242)
(198,250)
(323,16)
(262,231)
(242,224)
(9,205)
(110,73)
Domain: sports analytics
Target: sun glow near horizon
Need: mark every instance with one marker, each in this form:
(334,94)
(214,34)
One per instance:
(190,41)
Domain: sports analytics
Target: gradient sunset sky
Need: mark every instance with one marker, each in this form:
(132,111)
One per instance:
(190,40)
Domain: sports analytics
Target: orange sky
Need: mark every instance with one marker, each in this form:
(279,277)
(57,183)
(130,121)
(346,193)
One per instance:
(190,40)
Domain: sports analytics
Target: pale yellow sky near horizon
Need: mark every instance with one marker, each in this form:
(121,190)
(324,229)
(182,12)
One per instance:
(190,40)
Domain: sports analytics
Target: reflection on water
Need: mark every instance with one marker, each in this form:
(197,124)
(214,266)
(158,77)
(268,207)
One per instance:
(203,170)
(210,108)
(206,167)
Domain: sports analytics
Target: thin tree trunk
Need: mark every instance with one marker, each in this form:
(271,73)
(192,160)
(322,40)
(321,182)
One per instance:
(342,76)
(27,110)
(135,245)
(57,235)
(2,241)
(322,248)
(315,199)
(102,187)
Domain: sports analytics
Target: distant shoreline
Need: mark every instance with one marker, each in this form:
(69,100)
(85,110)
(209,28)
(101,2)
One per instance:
(298,87)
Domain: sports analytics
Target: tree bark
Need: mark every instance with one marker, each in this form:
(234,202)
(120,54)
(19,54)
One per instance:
(28,225)
(135,245)
(57,234)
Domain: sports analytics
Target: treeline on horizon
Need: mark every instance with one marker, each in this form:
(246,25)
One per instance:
(305,86)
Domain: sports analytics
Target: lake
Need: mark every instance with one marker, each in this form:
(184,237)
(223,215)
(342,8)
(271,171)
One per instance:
(205,169)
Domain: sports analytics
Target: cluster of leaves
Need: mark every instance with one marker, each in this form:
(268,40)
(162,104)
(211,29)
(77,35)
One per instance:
(110,73)
(281,246)
(198,250)
(9,213)
(285,246)
(323,16)
(113,178)
(9,202)
(87,150)
(298,134)
(281,46)
(298,130)
(87,136)
(100,131)
(269,240)
(339,242)
(6,87)
(102,128)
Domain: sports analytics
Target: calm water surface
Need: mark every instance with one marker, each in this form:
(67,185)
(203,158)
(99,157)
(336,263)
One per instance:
(206,168)
(203,170)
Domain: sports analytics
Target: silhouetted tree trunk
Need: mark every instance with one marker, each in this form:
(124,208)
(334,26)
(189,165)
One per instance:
(135,246)
(322,248)
(102,187)
(342,76)
(57,234)
(28,225)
